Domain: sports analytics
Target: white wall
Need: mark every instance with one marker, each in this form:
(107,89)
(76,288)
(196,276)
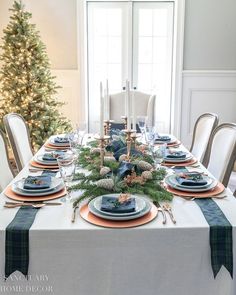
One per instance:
(209,76)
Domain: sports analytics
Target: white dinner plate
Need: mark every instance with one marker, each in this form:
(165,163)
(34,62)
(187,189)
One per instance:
(56,185)
(172,139)
(174,160)
(52,142)
(39,159)
(211,183)
(140,204)
(119,218)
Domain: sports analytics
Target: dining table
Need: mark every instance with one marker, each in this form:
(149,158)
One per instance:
(153,259)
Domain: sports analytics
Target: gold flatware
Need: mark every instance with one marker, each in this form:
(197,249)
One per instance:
(74,214)
(159,208)
(34,203)
(168,209)
(42,169)
(19,205)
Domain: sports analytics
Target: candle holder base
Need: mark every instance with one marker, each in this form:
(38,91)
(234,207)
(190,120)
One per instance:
(129,142)
(102,141)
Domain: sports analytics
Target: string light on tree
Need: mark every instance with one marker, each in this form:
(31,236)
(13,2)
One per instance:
(27,85)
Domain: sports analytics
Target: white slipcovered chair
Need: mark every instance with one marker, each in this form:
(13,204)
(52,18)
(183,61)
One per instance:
(19,138)
(7,172)
(203,129)
(222,152)
(144,103)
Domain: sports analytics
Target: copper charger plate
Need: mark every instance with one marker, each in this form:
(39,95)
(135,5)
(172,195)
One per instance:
(10,194)
(89,217)
(54,147)
(219,188)
(186,163)
(174,144)
(38,165)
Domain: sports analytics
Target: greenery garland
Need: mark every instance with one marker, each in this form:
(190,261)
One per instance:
(138,181)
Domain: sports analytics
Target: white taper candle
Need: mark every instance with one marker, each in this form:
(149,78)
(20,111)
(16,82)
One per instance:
(128,105)
(101,111)
(133,110)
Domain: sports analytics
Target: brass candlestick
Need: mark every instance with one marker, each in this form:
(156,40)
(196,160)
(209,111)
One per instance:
(102,141)
(107,127)
(125,121)
(128,142)
(134,138)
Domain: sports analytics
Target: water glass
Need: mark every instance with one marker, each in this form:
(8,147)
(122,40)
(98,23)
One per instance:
(66,165)
(150,135)
(158,154)
(142,124)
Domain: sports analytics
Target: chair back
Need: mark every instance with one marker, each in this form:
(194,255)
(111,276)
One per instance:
(222,152)
(19,138)
(7,173)
(144,103)
(203,129)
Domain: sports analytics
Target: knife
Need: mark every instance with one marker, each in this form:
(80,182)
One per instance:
(28,203)
(159,208)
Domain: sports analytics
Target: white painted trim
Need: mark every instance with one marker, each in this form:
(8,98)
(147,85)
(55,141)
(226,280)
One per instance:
(177,67)
(209,73)
(82,58)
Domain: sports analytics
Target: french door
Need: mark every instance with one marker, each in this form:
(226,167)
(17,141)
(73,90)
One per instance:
(131,40)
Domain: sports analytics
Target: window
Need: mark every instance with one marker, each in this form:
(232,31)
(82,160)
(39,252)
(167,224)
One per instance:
(131,40)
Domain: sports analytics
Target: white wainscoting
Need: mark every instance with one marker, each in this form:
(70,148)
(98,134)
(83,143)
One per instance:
(207,91)
(69,80)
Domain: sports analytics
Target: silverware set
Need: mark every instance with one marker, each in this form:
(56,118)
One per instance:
(163,209)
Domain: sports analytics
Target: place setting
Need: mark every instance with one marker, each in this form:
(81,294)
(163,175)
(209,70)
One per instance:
(36,189)
(58,142)
(178,157)
(119,211)
(194,185)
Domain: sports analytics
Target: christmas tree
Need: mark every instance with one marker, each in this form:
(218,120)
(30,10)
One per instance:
(27,86)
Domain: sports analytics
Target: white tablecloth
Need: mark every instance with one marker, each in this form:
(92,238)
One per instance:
(155,259)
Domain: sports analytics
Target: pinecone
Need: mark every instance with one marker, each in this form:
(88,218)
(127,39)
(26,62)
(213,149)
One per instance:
(122,158)
(144,165)
(104,171)
(106,183)
(109,159)
(147,175)
(95,151)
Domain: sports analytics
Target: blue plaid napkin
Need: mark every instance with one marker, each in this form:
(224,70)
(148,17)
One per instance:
(221,241)
(17,241)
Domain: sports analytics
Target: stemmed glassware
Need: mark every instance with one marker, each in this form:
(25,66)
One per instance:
(142,125)
(66,164)
(158,154)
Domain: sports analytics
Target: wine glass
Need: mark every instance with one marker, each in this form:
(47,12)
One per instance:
(158,154)
(150,135)
(81,130)
(142,124)
(66,164)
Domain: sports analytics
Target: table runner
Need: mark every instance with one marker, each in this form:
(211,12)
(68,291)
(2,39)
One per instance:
(220,236)
(17,241)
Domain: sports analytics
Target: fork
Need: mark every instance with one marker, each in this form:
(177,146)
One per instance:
(168,209)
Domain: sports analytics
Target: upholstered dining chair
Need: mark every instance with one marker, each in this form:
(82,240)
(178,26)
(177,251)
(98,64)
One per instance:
(18,134)
(222,152)
(145,105)
(7,173)
(202,131)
